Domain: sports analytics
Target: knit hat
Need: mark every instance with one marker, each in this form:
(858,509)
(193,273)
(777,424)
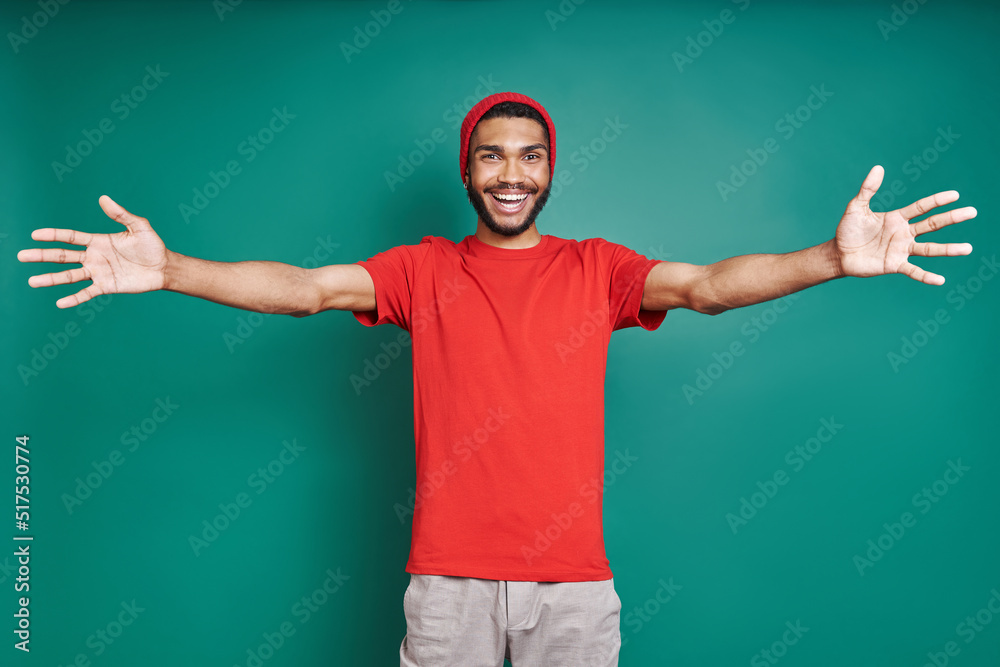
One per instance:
(484,105)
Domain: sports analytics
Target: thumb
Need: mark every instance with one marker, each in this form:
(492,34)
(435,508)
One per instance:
(871,185)
(114,211)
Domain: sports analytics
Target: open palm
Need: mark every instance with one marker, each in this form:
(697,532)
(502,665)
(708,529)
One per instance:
(129,262)
(873,244)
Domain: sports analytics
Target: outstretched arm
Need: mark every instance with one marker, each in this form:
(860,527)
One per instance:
(136,260)
(866,244)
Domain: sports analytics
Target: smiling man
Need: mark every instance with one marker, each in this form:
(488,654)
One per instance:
(510,332)
(511,150)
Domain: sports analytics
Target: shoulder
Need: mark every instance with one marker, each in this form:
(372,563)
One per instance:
(601,249)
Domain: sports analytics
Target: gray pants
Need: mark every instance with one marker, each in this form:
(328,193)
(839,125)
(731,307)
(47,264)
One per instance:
(469,622)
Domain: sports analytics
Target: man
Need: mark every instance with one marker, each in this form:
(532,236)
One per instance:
(510,332)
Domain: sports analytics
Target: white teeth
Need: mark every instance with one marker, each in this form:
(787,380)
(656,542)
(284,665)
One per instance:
(510,197)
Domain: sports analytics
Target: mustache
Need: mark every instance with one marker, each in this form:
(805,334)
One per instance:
(505,186)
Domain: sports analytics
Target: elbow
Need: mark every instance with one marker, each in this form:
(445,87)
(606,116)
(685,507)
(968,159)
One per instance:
(706,305)
(713,309)
(311,302)
(701,296)
(303,312)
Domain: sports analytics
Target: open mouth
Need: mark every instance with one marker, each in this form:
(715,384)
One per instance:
(510,202)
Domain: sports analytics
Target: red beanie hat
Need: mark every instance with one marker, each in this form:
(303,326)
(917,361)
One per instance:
(484,105)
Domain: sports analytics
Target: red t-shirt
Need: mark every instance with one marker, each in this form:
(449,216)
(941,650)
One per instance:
(509,356)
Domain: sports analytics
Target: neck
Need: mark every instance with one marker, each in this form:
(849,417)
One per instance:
(526,239)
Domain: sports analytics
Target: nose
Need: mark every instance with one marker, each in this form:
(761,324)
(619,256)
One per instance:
(512,172)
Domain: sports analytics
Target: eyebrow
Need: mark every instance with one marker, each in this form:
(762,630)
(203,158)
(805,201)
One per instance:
(493,148)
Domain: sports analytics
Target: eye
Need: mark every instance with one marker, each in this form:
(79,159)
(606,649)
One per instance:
(490,155)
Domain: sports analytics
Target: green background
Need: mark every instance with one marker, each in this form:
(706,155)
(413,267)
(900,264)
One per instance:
(319,191)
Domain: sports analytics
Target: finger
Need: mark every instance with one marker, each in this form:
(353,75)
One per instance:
(82,296)
(61,255)
(920,275)
(940,249)
(116,212)
(921,206)
(61,278)
(870,185)
(62,235)
(940,220)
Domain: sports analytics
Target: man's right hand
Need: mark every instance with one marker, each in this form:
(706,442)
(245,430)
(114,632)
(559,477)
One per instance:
(128,262)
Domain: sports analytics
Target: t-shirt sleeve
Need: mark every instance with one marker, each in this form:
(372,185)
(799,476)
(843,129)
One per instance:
(393,271)
(627,271)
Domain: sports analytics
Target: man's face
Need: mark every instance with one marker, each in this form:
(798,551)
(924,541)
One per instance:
(508,173)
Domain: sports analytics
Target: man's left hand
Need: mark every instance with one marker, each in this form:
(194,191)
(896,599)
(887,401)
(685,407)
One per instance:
(874,244)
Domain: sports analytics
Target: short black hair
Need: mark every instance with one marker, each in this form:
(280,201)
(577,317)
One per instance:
(516,110)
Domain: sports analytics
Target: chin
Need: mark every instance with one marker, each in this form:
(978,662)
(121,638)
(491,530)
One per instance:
(490,217)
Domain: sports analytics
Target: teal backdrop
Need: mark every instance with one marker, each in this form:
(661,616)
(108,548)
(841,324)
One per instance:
(812,481)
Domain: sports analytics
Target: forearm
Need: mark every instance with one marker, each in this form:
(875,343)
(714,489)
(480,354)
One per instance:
(748,279)
(260,286)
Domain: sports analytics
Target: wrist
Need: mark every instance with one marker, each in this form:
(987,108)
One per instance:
(171,271)
(832,259)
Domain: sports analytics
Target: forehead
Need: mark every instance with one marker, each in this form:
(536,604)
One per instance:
(507,132)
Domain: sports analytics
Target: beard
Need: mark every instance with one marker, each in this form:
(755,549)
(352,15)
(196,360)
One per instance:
(478,201)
